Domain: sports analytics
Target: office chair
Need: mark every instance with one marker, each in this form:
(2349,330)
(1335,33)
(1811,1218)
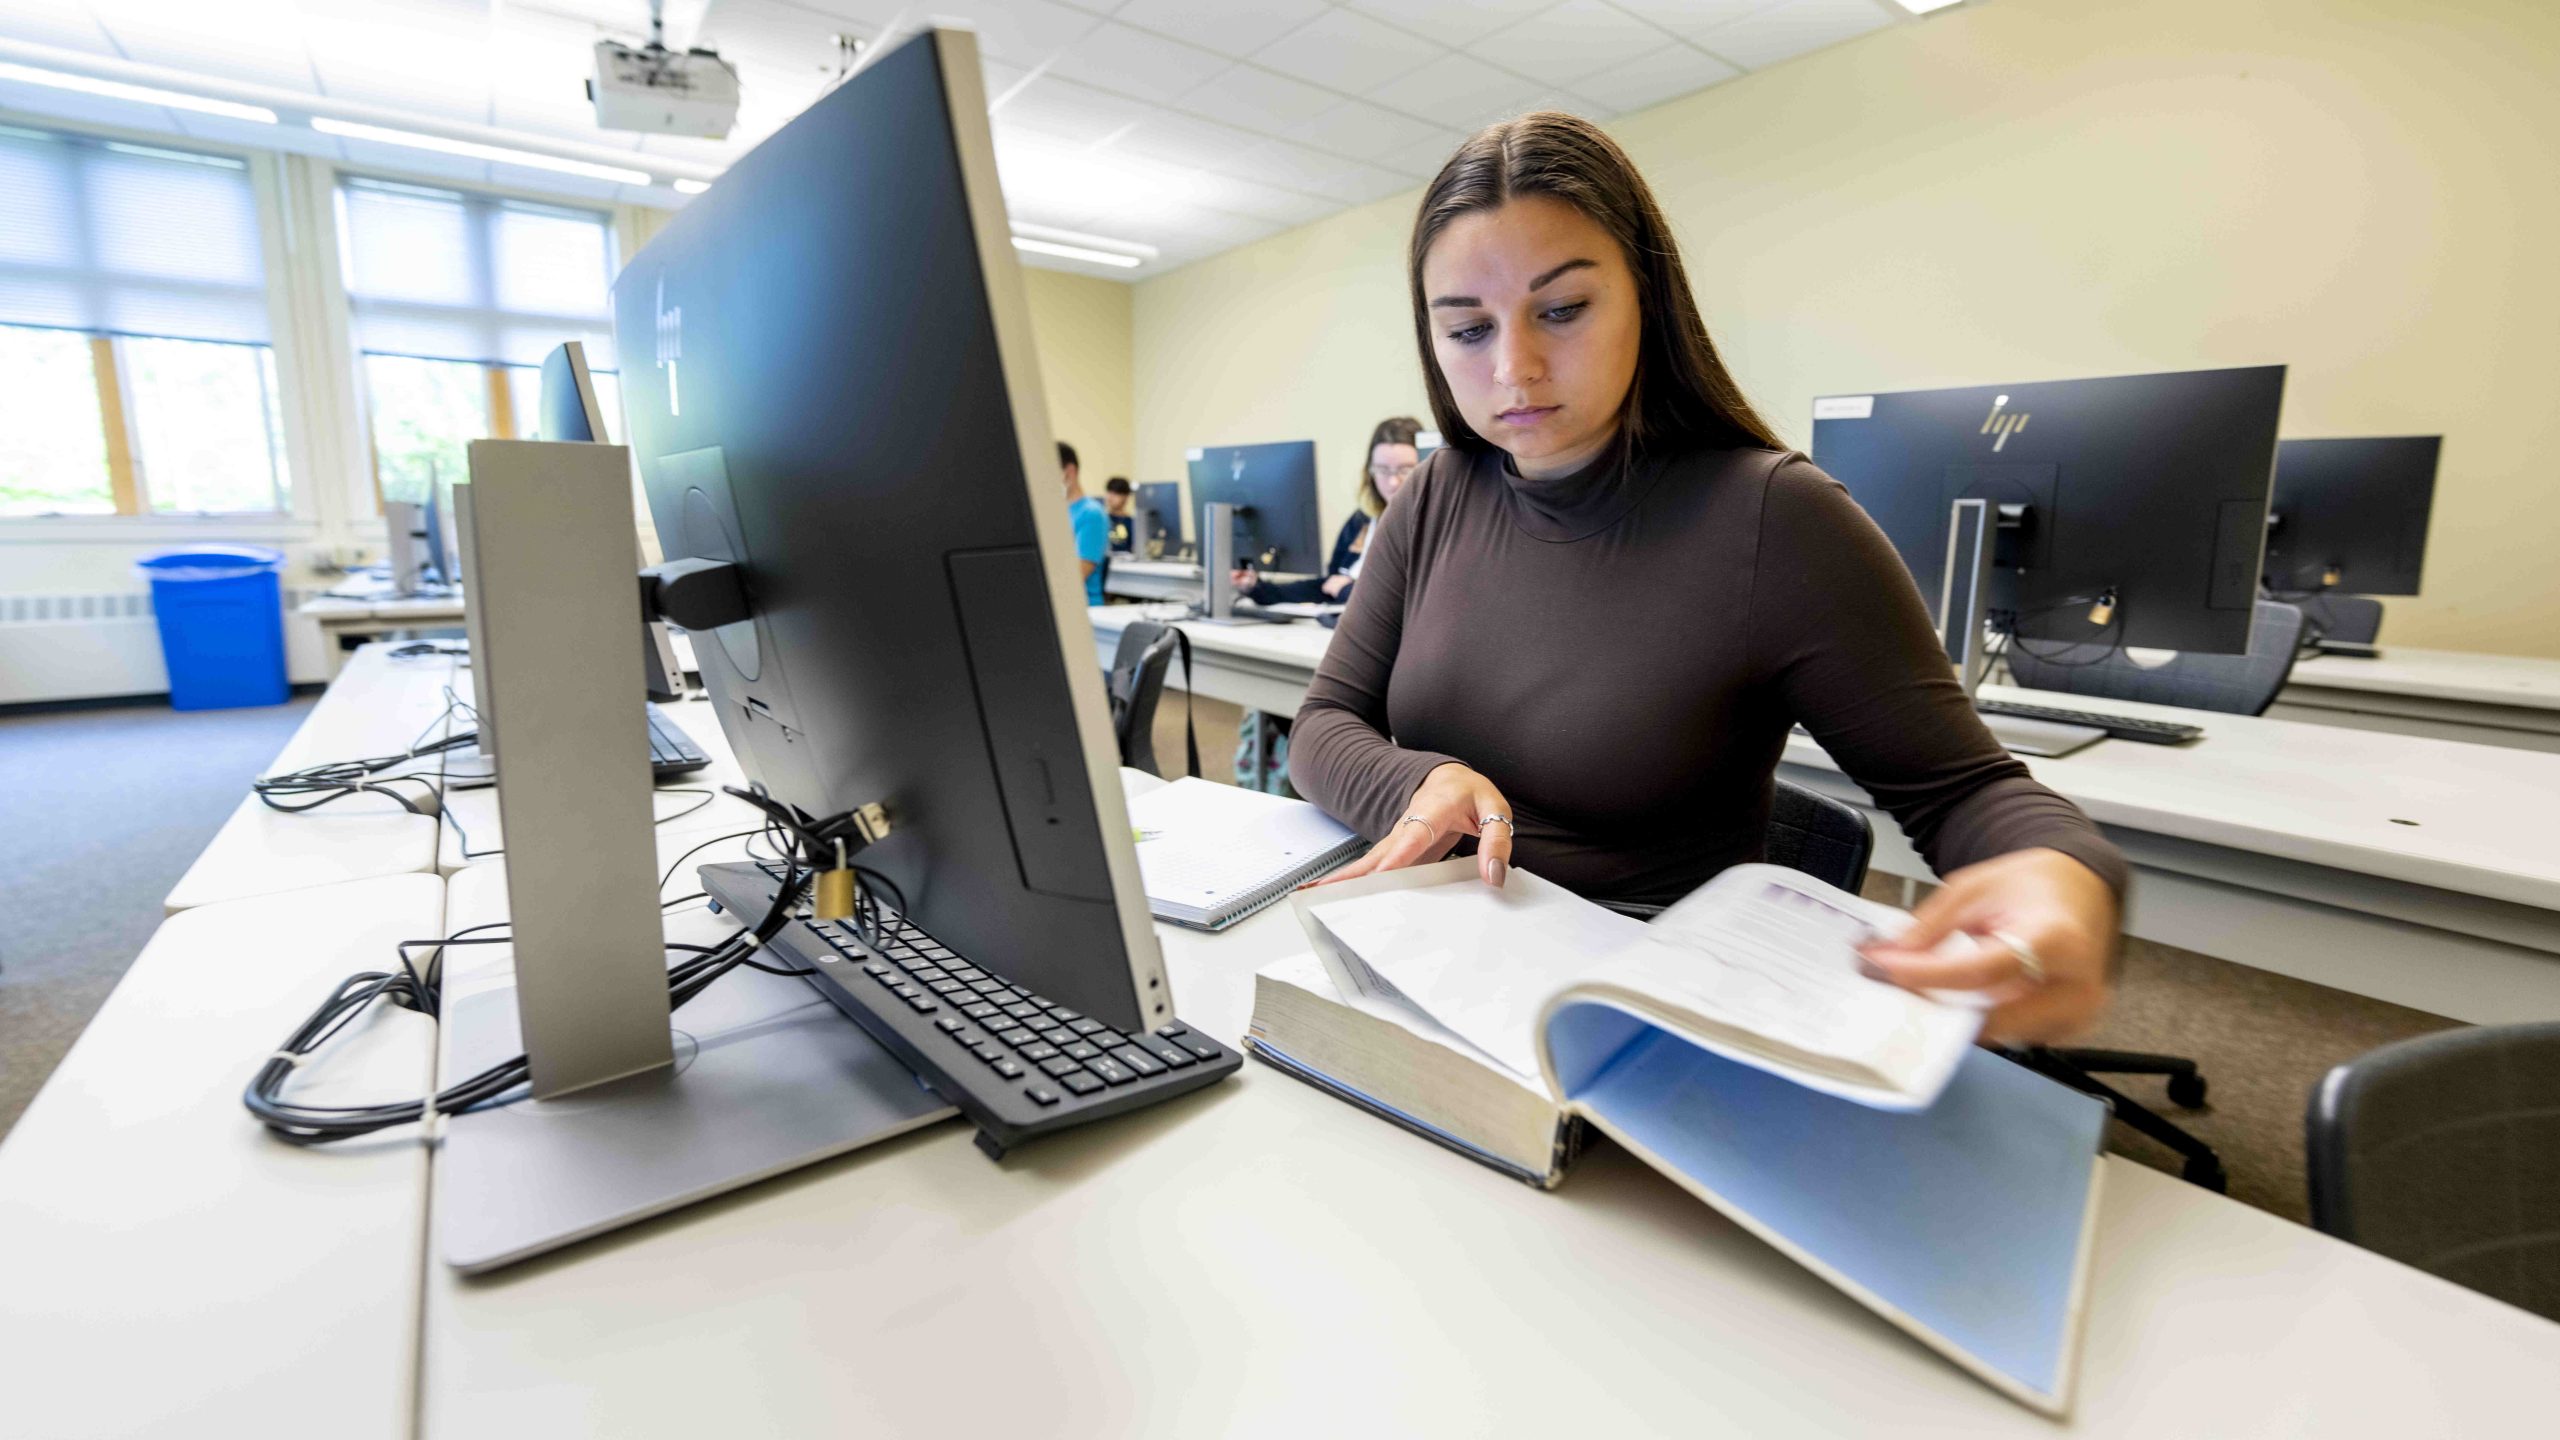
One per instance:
(2356,619)
(1135,685)
(2443,1152)
(2234,684)
(1808,831)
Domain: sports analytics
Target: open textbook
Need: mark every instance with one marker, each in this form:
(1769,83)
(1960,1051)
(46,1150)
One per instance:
(1734,1045)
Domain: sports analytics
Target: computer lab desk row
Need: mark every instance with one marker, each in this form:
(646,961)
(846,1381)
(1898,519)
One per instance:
(2511,700)
(1255,1259)
(2415,870)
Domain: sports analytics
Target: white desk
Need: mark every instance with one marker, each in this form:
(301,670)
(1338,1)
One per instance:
(167,1268)
(1260,1259)
(358,614)
(377,706)
(2268,843)
(2510,700)
(1152,579)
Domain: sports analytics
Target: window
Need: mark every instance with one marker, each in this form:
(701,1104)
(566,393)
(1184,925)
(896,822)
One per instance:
(134,340)
(456,298)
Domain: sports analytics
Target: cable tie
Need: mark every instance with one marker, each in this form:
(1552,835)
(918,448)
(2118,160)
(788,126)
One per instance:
(753,944)
(292,1058)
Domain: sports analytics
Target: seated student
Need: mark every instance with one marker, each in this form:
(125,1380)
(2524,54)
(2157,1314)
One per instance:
(1117,493)
(1092,524)
(1581,634)
(1390,457)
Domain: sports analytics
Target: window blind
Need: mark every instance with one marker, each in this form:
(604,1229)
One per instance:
(450,275)
(111,238)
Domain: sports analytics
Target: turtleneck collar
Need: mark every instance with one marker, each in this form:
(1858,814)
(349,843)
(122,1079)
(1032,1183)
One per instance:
(1576,506)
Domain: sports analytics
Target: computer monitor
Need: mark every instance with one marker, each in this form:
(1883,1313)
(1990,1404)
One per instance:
(570,413)
(2351,515)
(830,383)
(1273,488)
(1160,501)
(2129,510)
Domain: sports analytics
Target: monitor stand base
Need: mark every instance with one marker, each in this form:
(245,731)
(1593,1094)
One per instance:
(769,1076)
(2044,739)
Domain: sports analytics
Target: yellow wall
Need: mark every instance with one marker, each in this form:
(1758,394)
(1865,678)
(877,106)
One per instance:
(2046,188)
(1080,326)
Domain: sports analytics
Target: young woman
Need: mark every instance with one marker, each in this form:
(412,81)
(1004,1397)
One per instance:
(1580,637)
(1386,464)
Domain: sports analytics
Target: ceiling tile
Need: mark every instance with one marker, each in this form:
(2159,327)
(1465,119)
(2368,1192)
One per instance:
(1690,19)
(1070,111)
(1312,172)
(1214,230)
(1347,52)
(1459,91)
(1423,159)
(1229,29)
(259,41)
(1135,62)
(1185,140)
(1364,131)
(1785,31)
(437,70)
(1668,72)
(66,23)
(1022,32)
(1259,100)
(1240,195)
(781,36)
(1451,22)
(1572,40)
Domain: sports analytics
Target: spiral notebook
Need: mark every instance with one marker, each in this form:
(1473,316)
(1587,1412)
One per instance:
(1213,854)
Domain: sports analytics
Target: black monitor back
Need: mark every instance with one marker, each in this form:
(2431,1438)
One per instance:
(842,399)
(1273,488)
(2358,507)
(1162,502)
(2152,486)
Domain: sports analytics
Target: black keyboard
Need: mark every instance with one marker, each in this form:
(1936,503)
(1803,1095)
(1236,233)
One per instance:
(2121,727)
(1016,1064)
(671,751)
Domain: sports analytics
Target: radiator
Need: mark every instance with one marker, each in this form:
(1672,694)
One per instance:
(89,646)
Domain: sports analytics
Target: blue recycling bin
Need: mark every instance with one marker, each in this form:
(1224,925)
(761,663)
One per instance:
(221,613)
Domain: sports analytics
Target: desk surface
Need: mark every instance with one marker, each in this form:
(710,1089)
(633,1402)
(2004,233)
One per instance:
(169,1268)
(1261,1259)
(2521,680)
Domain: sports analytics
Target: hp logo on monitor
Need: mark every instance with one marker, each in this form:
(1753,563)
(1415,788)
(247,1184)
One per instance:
(2001,425)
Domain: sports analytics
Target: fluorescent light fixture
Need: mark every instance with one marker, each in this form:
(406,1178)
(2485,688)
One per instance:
(473,149)
(1923,7)
(143,94)
(1075,252)
(691,187)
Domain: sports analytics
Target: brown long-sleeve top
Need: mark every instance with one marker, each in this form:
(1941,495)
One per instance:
(1622,653)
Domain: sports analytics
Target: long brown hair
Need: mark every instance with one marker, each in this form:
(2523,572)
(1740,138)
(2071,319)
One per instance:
(1681,393)
(1395,430)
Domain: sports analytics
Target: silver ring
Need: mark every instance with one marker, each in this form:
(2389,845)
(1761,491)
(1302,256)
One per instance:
(1418,820)
(1484,820)
(2029,962)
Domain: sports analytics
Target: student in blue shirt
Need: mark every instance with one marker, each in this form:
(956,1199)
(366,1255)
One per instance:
(1092,524)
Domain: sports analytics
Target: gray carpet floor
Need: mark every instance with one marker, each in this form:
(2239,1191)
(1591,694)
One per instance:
(101,810)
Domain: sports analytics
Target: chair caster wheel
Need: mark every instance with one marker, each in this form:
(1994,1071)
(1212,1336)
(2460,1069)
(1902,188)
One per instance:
(2187,1091)
(2205,1171)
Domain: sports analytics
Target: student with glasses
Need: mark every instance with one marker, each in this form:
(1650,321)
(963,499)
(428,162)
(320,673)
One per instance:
(1390,457)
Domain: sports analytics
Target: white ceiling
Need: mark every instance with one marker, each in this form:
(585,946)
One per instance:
(1189,125)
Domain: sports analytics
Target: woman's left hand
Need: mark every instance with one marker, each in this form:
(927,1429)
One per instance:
(2044,901)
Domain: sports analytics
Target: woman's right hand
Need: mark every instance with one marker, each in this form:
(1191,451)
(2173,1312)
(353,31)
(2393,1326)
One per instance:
(1243,579)
(1452,803)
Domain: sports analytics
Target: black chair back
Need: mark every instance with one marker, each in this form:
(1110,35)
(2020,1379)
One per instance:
(2443,1152)
(2234,684)
(1136,684)
(2356,619)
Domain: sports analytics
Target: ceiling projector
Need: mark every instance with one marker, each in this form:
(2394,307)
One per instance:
(661,91)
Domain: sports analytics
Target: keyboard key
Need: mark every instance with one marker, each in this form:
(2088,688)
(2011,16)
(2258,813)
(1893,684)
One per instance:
(1165,1050)
(876,969)
(1084,1026)
(1197,1043)
(1108,1039)
(1064,1015)
(988,1051)
(1080,1082)
(969,1037)
(966,972)
(1138,1060)
(1023,1010)
(921,1005)
(1039,1050)
(993,987)
(1081,1050)
(1008,1069)
(1111,1071)
(945,987)
(1058,1035)
(1017,1038)
(929,973)
(949,1023)
(1060,1065)
(980,1011)
(1040,1094)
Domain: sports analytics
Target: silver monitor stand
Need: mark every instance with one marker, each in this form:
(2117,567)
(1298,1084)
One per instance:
(630,1112)
(1973,527)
